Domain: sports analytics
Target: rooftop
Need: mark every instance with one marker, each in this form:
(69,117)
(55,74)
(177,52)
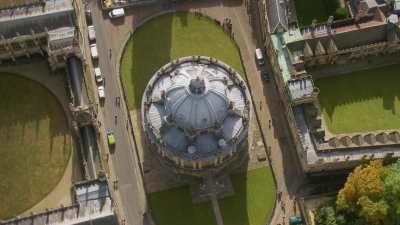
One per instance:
(94,207)
(38,18)
(196,109)
(277,18)
(279,41)
(301,88)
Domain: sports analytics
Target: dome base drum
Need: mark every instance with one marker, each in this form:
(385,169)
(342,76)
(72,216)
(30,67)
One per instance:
(196,111)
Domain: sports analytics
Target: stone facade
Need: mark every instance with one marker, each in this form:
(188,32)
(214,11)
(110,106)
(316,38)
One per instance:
(47,29)
(337,43)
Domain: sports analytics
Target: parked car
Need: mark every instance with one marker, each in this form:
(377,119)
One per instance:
(265,75)
(102,93)
(92,33)
(259,57)
(98,75)
(93,51)
(115,13)
(110,138)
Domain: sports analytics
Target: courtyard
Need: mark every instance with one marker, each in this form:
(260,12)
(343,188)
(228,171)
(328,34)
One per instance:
(307,10)
(361,101)
(169,37)
(251,204)
(36,143)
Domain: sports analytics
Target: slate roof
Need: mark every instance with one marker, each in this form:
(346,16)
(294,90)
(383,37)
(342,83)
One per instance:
(277,17)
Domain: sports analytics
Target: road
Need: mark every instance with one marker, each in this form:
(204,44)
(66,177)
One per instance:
(124,163)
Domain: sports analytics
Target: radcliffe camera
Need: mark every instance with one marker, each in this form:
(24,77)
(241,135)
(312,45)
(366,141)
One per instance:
(199,112)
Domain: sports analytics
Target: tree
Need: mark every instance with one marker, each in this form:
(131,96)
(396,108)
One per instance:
(371,195)
(373,212)
(340,13)
(326,215)
(392,183)
(341,220)
(330,216)
(392,191)
(364,181)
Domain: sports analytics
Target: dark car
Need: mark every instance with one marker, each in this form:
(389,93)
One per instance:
(265,75)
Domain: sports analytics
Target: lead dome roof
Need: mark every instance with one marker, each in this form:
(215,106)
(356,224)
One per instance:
(196,109)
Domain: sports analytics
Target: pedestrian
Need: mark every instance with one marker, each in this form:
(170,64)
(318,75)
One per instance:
(115,118)
(117,101)
(116,184)
(110,52)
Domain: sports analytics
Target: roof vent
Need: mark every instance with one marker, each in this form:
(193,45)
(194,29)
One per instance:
(191,149)
(221,142)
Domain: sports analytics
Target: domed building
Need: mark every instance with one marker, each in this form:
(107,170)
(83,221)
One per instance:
(196,113)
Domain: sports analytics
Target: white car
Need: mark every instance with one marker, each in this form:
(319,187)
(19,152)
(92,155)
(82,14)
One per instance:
(259,57)
(115,13)
(91,32)
(93,51)
(97,75)
(102,93)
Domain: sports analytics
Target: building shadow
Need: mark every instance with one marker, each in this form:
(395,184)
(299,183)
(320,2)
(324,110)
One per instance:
(291,166)
(359,86)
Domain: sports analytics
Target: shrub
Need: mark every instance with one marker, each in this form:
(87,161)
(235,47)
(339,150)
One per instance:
(340,13)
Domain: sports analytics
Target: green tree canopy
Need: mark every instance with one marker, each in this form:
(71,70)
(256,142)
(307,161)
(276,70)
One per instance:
(371,195)
(364,181)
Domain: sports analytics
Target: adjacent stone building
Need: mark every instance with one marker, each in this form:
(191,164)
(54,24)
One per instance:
(196,114)
(46,28)
(372,30)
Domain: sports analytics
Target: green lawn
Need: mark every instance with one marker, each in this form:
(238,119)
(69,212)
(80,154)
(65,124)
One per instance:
(252,203)
(174,207)
(166,38)
(35,144)
(362,101)
(307,10)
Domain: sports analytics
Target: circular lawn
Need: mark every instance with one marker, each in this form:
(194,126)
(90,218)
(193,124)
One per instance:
(152,45)
(35,144)
(169,37)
